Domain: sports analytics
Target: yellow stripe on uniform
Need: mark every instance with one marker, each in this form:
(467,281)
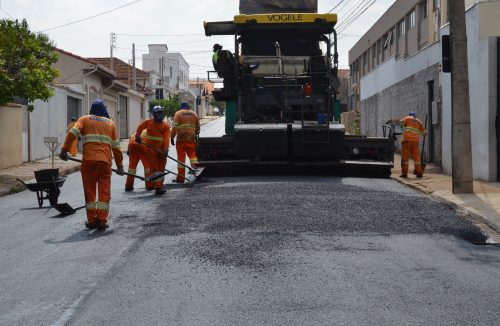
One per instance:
(96,138)
(90,206)
(152,137)
(75,131)
(103,206)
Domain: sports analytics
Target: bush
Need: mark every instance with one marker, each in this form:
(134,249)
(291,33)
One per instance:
(26,60)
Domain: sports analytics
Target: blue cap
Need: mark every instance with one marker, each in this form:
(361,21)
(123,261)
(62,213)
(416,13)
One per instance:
(184,105)
(412,113)
(99,108)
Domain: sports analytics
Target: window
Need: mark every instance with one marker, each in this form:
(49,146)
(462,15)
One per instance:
(171,71)
(388,40)
(401,28)
(436,4)
(423,10)
(411,19)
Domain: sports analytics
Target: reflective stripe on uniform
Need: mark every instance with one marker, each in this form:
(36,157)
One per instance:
(152,137)
(75,131)
(412,130)
(404,162)
(146,171)
(184,126)
(95,138)
(103,206)
(116,144)
(132,171)
(194,160)
(180,166)
(90,206)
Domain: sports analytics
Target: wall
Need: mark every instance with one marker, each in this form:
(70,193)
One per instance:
(48,119)
(11,140)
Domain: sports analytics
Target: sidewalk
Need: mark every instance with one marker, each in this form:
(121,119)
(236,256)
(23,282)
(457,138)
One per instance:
(484,203)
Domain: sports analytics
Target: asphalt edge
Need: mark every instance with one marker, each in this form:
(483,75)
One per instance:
(472,214)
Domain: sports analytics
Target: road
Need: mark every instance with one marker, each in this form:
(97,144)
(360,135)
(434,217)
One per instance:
(248,250)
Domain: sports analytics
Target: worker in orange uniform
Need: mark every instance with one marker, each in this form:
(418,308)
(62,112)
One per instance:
(186,127)
(73,150)
(412,129)
(100,143)
(137,152)
(156,136)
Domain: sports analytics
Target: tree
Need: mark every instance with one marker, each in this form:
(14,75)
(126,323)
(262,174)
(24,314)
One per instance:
(26,60)
(170,105)
(221,105)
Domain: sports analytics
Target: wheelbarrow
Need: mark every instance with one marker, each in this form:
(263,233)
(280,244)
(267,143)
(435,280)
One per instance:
(46,186)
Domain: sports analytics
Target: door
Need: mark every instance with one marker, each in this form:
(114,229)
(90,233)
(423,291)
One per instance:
(429,151)
(73,109)
(123,117)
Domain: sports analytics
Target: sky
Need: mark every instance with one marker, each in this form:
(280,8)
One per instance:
(84,27)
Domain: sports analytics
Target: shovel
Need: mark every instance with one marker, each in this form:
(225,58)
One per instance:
(66,209)
(153,177)
(196,171)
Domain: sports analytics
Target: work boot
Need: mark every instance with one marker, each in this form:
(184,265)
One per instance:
(102,226)
(91,225)
(150,188)
(159,192)
(404,176)
(420,176)
(129,189)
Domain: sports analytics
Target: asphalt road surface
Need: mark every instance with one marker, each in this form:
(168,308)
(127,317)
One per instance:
(248,250)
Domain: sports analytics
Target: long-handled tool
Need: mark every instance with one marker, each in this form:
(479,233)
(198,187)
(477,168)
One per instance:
(196,171)
(422,164)
(66,209)
(152,177)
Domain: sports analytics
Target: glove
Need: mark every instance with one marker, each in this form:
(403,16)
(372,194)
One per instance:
(64,155)
(119,170)
(165,153)
(172,141)
(138,139)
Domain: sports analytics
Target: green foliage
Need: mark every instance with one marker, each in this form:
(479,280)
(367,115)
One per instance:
(170,105)
(25,63)
(221,105)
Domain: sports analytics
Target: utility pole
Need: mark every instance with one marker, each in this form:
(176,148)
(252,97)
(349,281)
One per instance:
(460,107)
(134,76)
(112,40)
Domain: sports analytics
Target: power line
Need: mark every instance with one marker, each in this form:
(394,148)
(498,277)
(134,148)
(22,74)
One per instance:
(5,11)
(338,4)
(84,19)
(358,14)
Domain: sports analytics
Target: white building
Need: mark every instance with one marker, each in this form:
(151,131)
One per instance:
(396,67)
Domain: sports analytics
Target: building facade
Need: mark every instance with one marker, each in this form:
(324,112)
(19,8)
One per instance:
(397,67)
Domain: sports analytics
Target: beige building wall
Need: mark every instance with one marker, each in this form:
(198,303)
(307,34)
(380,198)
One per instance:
(11,138)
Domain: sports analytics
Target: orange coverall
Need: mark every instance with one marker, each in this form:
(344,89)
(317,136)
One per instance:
(73,150)
(100,142)
(137,152)
(157,135)
(412,129)
(186,128)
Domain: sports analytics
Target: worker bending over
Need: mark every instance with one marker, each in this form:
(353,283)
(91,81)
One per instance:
(412,129)
(100,142)
(156,137)
(137,152)
(186,128)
